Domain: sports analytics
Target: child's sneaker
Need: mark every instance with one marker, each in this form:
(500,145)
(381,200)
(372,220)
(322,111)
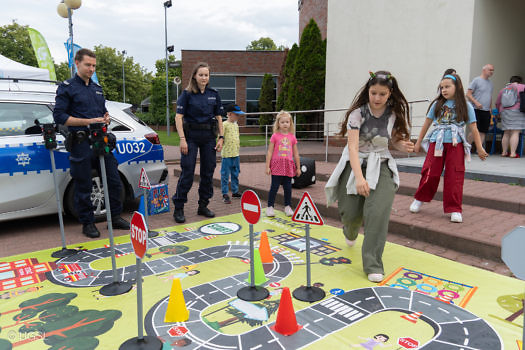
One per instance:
(456,217)
(237,195)
(349,242)
(375,277)
(270,212)
(288,210)
(415,206)
(226,199)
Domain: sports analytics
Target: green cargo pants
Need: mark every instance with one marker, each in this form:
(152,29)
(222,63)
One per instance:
(373,210)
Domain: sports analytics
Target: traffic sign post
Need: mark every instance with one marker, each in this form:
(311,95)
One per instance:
(307,213)
(251,210)
(146,186)
(116,287)
(139,241)
(512,255)
(49,134)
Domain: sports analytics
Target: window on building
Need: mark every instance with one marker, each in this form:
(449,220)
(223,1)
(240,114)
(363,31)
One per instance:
(225,85)
(253,90)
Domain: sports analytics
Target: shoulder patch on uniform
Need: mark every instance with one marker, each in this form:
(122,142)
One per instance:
(66,82)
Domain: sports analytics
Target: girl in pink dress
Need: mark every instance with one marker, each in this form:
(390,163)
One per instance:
(282,161)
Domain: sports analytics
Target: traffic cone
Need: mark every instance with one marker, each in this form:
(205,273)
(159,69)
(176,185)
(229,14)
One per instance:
(176,311)
(259,277)
(264,249)
(286,324)
(444,298)
(413,317)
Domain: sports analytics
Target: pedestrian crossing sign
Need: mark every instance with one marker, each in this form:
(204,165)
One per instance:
(144,181)
(306,212)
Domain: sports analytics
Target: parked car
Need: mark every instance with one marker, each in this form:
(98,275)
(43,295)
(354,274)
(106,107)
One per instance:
(26,181)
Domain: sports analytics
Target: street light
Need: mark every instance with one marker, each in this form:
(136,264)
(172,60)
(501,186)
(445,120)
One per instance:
(166,49)
(65,10)
(123,77)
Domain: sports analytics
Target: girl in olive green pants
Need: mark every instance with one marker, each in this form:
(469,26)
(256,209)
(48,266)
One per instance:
(366,178)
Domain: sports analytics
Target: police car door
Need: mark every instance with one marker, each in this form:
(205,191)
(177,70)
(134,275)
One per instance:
(26,182)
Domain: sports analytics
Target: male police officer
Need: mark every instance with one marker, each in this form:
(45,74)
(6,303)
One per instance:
(79,103)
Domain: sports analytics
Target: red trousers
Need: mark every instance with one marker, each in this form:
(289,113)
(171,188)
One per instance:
(454,163)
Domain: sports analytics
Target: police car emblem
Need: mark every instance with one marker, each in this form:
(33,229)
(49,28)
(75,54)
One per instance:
(22,159)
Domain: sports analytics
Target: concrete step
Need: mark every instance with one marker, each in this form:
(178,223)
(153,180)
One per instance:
(480,233)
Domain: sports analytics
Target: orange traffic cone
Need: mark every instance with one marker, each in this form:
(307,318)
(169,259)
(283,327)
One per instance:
(413,317)
(446,298)
(176,311)
(286,324)
(264,249)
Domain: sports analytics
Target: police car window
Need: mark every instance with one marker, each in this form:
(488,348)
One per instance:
(15,118)
(129,112)
(117,126)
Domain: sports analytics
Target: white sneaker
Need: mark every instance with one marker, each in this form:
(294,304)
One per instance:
(415,206)
(270,212)
(375,277)
(349,242)
(288,210)
(456,217)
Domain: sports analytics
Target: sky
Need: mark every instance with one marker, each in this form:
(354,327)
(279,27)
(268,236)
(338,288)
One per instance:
(137,26)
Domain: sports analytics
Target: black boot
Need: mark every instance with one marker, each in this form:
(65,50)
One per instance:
(90,230)
(204,211)
(119,223)
(178,215)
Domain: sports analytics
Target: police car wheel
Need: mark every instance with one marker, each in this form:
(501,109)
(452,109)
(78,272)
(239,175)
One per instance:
(97,198)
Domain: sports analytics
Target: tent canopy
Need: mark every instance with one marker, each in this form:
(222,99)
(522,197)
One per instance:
(12,69)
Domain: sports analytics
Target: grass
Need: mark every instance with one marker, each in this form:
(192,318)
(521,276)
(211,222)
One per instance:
(246,140)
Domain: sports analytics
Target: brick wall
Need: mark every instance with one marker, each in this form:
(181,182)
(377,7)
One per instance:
(316,9)
(237,63)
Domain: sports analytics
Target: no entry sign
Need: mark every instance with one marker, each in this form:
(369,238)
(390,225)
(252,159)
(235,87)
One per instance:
(139,235)
(251,207)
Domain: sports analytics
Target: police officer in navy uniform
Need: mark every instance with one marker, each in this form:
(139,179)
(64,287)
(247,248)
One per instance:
(79,103)
(199,125)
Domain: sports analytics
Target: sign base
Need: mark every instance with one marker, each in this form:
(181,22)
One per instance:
(64,252)
(252,293)
(146,343)
(309,294)
(115,288)
(152,234)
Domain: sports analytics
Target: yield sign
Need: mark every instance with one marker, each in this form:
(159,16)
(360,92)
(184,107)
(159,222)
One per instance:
(251,207)
(139,235)
(144,181)
(306,212)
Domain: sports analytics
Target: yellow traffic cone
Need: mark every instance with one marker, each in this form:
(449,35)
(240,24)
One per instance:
(176,311)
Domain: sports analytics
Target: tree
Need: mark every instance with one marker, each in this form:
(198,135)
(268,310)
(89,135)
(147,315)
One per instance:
(15,44)
(266,100)
(62,71)
(306,90)
(109,73)
(264,44)
(512,303)
(286,77)
(158,90)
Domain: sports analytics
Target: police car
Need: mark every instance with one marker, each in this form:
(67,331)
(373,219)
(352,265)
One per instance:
(26,181)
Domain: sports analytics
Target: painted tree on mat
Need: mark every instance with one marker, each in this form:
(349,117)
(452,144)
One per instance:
(512,303)
(59,325)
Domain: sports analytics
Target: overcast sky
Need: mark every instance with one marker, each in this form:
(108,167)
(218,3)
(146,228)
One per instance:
(137,26)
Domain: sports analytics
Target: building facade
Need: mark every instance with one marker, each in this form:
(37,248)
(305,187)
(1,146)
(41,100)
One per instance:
(316,9)
(236,74)
(417,40)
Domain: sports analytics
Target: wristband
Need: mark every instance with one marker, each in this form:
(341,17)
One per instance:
(221,137)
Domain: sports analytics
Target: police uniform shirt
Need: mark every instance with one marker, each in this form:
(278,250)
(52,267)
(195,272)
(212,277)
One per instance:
(75,98)
(199,108)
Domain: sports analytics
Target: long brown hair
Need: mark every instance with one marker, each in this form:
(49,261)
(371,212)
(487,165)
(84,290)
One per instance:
(459,98)
(192,84)
(396,101)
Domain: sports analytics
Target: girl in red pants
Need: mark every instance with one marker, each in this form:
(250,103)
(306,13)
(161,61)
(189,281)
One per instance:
(446,146)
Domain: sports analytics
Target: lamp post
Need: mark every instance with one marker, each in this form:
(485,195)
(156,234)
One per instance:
(65,10)
(166,49)
(123,77)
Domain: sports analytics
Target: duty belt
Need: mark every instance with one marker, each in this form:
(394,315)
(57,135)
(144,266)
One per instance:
(196,126)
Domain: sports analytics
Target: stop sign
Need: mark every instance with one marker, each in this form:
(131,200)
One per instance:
(408,343)
(139,235)
(251,207)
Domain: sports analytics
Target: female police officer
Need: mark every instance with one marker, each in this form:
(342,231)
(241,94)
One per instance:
(198,121)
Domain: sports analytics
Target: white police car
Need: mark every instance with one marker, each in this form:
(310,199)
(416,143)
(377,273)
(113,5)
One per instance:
(26,181)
